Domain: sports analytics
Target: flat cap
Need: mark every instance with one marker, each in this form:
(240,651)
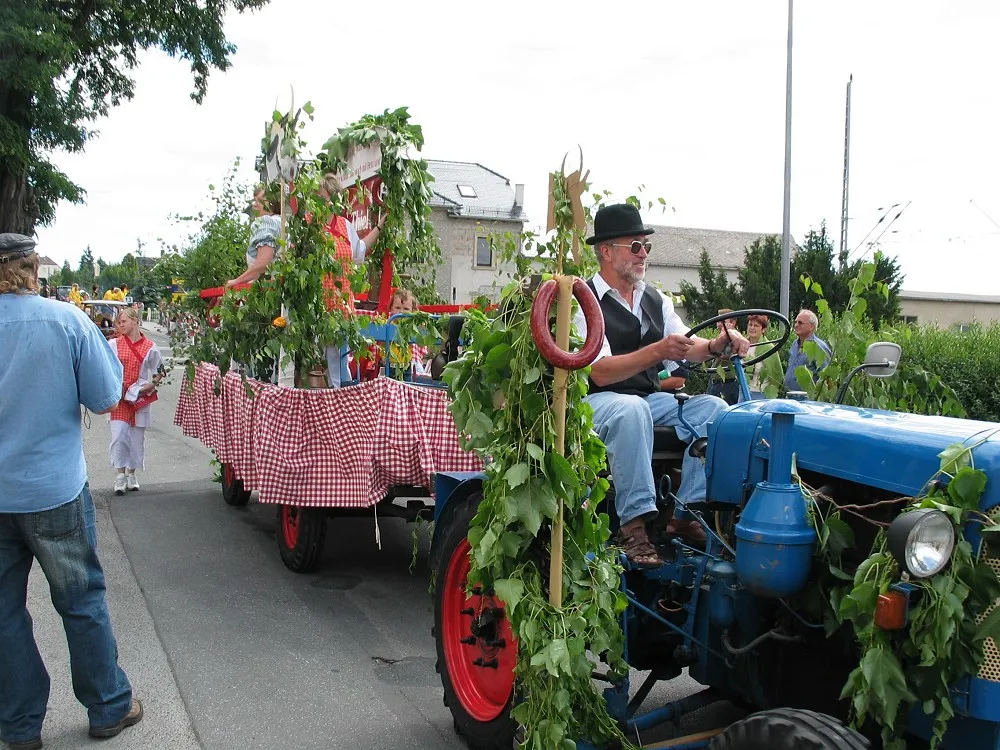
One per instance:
(14,246)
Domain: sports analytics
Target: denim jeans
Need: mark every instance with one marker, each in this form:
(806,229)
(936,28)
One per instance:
(625,424)
(64,541)
(337,371)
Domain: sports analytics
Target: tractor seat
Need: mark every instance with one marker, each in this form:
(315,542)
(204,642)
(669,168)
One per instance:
(666,444)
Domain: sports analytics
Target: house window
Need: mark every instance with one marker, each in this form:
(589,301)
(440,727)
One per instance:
(484,252)
(467,191)
(908,319)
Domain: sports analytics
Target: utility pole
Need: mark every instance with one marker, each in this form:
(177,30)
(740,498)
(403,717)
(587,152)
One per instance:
(786,239)
(847,164)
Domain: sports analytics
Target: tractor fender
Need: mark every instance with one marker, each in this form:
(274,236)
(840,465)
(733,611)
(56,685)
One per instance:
(451,489)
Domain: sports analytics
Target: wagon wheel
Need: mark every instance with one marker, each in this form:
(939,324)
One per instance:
(233,491)
(301,535)
(476,651)
(789,729)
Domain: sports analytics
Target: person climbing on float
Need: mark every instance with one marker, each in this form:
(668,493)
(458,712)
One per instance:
(350,249)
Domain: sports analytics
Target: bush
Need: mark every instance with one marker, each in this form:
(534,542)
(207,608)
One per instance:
(967,361)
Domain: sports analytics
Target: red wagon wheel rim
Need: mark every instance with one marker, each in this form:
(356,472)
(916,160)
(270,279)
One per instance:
(290,525)
(228,475)
(479,649)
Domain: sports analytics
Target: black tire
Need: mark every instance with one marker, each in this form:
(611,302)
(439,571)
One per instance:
(301,535)
(495,734)
(789,729)
(233,491)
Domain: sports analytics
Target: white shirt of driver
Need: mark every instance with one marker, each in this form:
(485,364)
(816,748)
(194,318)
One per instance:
(672,322)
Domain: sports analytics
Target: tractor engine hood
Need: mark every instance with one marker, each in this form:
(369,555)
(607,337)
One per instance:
(892,451)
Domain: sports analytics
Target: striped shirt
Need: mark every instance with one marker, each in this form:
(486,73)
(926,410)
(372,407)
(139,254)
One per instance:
(264,232)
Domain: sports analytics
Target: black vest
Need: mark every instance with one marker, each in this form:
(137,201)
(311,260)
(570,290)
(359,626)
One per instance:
(624,333)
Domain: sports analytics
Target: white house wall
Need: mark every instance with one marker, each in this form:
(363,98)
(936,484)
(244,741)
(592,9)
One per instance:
(458,279)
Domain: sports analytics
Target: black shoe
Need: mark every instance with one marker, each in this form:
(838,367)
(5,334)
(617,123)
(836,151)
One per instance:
(134,716)
(35,744)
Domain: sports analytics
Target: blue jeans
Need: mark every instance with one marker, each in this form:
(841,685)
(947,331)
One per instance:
(337,371)
(625,425)
(64,541)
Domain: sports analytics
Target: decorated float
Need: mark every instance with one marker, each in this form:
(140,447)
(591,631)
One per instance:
(256,393)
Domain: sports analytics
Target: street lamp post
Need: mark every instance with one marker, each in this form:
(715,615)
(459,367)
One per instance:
(786,239)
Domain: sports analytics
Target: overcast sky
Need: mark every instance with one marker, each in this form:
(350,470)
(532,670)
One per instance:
(686,99)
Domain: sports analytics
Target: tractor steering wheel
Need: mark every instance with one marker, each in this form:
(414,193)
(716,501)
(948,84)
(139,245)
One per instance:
(776,344)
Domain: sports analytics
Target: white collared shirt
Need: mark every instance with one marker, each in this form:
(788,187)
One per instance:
(672,322)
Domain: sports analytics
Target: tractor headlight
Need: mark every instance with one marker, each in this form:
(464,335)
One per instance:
(922,541)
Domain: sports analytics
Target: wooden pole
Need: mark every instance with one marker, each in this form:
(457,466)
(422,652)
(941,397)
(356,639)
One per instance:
(285,377)
(563,319)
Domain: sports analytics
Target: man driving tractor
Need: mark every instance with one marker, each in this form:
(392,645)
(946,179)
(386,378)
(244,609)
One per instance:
(643,335)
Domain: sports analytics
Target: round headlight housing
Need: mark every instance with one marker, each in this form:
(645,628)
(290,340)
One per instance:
(922,541)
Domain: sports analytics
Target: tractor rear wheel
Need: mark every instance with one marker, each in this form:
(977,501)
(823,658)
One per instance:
(476,651)
(301,535)
(789,729)
(233,491)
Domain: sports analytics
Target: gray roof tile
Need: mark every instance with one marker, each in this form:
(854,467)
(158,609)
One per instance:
(682,246)
(494,194)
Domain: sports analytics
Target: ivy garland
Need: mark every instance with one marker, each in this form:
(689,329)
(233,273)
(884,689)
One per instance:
(408,234)
(501,392)
(951,616)
(253,330)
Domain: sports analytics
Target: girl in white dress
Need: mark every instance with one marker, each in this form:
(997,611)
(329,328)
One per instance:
(143,371)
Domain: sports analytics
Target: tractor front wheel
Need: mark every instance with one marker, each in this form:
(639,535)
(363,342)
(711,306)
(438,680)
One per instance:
(476,651)
(301,534)
(233,491)
(789,729)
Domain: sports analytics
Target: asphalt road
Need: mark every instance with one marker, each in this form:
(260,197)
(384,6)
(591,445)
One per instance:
(227,647)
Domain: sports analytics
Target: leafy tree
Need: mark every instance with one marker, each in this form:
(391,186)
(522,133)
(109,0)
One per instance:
(66,275)
(759,281)
(714,291)
(815,258)
(761,266)
(216,251)
(64,63)
(85,271)
(883,297)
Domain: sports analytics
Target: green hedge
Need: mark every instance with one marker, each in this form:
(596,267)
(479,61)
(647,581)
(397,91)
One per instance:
(968,361)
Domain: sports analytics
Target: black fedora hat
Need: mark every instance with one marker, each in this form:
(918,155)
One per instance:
(618,220)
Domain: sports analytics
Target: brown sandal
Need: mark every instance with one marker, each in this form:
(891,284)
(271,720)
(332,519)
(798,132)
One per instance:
(637,548)
(688,529)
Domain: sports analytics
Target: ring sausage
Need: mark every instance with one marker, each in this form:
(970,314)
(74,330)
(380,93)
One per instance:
(540,332)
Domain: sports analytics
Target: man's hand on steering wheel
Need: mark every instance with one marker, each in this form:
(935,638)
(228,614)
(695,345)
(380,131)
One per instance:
(676,347)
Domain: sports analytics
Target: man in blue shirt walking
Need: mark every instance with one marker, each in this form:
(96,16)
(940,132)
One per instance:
(805,326)
(53,359)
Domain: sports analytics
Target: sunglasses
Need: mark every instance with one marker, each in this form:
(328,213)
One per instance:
(636,246)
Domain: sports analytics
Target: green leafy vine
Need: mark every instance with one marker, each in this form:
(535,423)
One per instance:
(950,616)
(501,393)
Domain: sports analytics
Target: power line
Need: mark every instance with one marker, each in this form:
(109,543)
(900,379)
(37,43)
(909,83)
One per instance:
(870,231)
(984,213)
(874,241)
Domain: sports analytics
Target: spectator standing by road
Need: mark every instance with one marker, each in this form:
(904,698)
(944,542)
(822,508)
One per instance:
(46,510)
(805,326)
(143,370)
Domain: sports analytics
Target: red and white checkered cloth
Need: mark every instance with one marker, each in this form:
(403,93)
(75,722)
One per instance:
(335,448)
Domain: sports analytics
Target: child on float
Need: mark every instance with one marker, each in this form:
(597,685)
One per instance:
(143,370)
(405,301)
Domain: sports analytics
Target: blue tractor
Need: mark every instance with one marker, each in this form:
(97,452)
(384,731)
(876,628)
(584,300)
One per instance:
(724,613)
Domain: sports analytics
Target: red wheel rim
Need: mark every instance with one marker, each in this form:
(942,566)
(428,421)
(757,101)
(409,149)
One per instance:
(228,475)
(479,650)
(290,525)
